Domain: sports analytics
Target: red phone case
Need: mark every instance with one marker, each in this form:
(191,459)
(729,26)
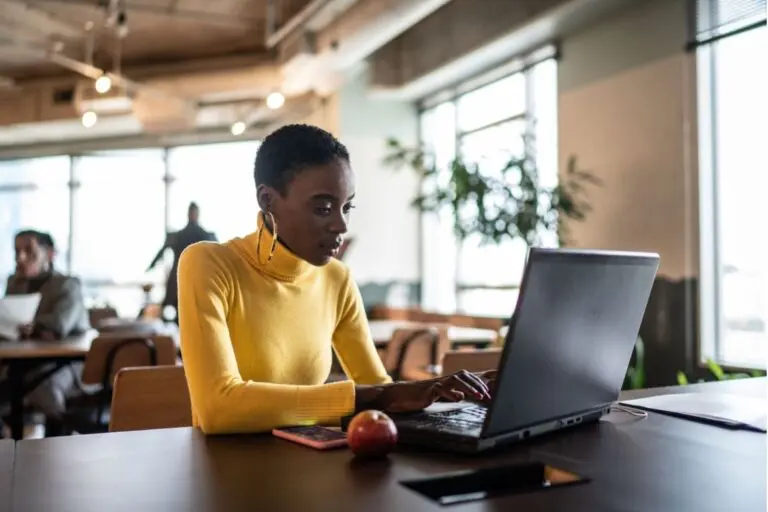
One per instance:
(295,435)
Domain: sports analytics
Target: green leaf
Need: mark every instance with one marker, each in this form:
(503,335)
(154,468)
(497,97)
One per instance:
(682,380)
(506,203)
(715,369)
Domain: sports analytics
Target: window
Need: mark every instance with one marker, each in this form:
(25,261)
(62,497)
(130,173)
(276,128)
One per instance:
(116,206)
(733,176)
(485,126)
(33,193)
(219,178)
(117,224)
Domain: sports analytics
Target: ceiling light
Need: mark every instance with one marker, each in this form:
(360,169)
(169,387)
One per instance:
(275,100)
(103,84)
(237,128)
(89,118)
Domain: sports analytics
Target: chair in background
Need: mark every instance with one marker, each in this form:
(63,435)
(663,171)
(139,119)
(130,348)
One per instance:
(97,315)
(411,352)
(88,412)
(473,361)
(150,397)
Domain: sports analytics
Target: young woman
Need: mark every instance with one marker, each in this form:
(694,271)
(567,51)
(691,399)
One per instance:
(259,315)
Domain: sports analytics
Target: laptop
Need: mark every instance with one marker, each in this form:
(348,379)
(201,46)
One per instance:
(566,352)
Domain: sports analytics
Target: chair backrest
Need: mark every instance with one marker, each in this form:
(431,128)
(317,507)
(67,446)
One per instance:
(150,397)
(471,360)
(411,350)
(111,353)
(96,315)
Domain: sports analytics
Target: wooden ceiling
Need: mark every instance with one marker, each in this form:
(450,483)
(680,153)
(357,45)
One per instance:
(159,31)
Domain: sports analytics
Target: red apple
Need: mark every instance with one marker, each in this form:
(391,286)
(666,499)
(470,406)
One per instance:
(371,434)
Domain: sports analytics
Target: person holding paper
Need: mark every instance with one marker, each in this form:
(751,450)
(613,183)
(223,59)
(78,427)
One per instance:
(61,312)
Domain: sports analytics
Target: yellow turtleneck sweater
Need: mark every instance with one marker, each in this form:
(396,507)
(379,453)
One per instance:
(256,337)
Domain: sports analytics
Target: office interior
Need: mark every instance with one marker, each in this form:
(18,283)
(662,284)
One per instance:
(116,115)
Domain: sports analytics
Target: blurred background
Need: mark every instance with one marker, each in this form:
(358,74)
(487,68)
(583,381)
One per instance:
(116,114)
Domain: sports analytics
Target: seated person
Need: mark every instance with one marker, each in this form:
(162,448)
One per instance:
(61,313)
(260,315)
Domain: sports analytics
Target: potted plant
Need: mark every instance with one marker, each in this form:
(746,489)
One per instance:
(496,204)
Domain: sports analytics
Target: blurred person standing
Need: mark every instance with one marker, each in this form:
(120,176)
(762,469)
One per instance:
(177,241)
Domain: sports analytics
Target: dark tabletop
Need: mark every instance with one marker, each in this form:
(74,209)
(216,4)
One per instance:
(654,464)
(6,473)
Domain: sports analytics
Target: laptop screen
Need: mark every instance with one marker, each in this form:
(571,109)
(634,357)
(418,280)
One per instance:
(572,336)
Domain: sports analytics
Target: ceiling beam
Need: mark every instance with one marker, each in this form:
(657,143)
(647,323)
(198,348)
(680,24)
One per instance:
(22,13)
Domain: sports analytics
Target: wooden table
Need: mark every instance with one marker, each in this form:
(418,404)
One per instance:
(656,463)
(22,356)
(382,331)
(7,451)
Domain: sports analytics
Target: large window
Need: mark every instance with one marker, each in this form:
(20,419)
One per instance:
(118,217)
(219,178)
(485,126)
(115,208)
(733,174)
(33,194)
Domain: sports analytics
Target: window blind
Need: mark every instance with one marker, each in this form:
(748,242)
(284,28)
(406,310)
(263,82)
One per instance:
(712,20)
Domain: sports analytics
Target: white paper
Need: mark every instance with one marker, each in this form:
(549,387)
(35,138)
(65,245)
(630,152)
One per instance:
(16,310)
(722,406)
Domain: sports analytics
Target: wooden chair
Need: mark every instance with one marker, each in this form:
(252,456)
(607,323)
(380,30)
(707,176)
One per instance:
(150,397)
(473,361)
(410,352)
(86,412)
(96,315)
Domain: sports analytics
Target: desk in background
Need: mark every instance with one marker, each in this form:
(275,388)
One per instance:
(22,356)
(656,463)
(382,331)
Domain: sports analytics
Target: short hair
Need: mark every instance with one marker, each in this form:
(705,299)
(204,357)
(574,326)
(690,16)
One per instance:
(193,206)
(43,239)
(290,149)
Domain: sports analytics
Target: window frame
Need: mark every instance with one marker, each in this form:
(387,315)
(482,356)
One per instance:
(711,321)
(523,65)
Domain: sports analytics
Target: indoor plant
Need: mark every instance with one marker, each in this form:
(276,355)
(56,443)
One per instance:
(505,203)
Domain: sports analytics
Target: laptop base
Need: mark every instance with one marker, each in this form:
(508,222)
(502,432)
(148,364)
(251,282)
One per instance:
(474,444)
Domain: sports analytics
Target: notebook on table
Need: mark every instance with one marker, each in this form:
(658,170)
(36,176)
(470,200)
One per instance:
(721,409)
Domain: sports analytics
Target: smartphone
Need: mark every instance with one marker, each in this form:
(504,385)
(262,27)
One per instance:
(319,438)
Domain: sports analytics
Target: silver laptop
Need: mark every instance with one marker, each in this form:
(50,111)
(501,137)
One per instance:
(567,350)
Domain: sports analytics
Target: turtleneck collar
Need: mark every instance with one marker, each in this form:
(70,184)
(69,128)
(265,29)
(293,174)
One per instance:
(284,265)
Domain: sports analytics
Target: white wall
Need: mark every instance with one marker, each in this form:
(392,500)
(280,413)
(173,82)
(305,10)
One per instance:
(627,112)
(385,227)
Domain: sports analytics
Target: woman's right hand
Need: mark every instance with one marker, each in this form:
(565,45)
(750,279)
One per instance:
(417,395)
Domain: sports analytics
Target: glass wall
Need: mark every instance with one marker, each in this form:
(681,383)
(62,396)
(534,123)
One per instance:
(34,193)
(734,176)
(219,178)
(486,126)
(115,208)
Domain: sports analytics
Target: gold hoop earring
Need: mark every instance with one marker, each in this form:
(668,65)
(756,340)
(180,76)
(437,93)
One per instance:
(274,237)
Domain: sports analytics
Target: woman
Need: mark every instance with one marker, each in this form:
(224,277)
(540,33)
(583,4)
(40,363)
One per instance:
(259,315)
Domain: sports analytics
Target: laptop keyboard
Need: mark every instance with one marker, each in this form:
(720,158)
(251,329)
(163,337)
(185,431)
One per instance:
(466,419)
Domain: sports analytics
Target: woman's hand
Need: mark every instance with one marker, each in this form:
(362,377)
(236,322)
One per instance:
(489,377)
(416,395)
